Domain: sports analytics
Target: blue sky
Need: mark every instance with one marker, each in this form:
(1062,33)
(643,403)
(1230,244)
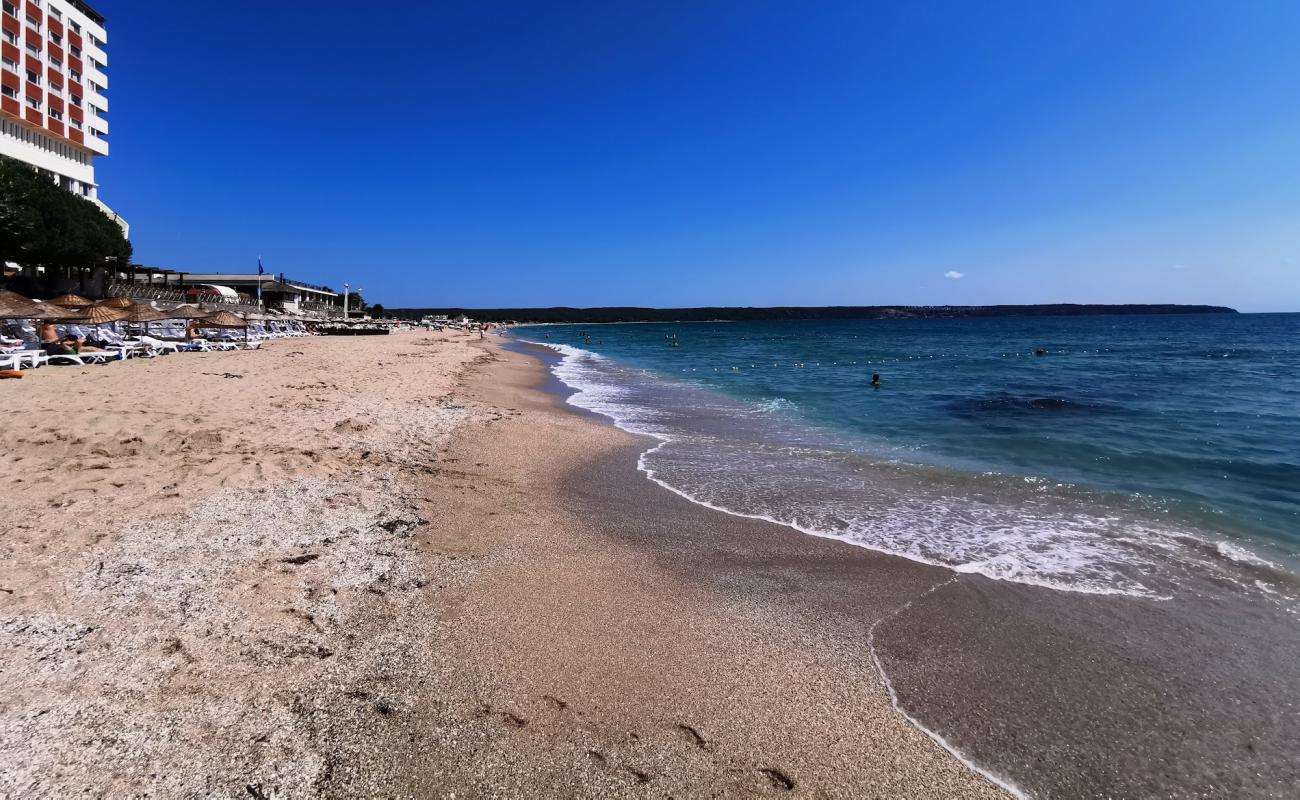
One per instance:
(717,153)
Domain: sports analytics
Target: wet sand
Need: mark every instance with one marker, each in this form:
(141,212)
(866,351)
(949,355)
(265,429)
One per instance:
(1063,695)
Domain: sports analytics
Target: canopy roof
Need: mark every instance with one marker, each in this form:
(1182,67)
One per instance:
(223,291)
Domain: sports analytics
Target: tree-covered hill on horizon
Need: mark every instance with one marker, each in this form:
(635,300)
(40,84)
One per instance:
(739,314)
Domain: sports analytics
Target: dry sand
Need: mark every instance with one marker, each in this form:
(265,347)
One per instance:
(391,566)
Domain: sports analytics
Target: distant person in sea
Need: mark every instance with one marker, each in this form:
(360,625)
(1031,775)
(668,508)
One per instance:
(875,380)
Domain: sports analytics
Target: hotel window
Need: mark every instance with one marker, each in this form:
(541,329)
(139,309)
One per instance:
(76,26)
(76,101)
(57,14)
(57,39)
(34,77)
(33,24)
(76,51)
(11,9)
(56,114)
(11,38)
(76,76)
(9,63)
(33,49)
(8,92)
(34,103)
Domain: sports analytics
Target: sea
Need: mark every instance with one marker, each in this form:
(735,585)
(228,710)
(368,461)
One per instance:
(1129,455)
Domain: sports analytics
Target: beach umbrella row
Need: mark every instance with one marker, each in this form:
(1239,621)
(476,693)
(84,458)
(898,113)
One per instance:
(15,306)
(75,308)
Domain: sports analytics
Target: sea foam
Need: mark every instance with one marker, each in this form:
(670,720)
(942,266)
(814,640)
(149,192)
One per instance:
(730,456)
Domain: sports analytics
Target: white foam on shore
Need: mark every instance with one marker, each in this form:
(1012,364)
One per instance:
(1241,555)
(1005,784)
(1001,527)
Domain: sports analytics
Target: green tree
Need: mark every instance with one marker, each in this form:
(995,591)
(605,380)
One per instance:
(41,224)
(377,310)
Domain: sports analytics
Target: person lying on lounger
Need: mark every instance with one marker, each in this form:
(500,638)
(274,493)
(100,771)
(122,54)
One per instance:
(55,345)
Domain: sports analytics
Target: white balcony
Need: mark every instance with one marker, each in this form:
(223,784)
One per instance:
(89,52)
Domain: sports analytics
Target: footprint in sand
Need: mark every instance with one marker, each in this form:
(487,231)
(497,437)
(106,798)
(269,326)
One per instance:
(778,779)
(694,736)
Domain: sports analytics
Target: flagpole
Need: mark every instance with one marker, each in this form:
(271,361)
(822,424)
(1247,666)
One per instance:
(259,283)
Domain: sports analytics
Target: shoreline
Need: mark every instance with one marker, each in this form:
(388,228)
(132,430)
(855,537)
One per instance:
(1194,673)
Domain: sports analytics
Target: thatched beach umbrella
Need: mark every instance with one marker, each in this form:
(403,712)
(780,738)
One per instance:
(100,315)
(144,315)
(188,312)
(117,302)
(226,319)
(15,306)
(71,301)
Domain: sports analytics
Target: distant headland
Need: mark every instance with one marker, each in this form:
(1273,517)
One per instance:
(742,314)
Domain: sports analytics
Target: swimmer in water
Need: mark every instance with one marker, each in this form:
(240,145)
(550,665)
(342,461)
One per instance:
(875,380)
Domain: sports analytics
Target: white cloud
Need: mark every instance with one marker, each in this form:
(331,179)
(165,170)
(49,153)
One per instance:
(954,275)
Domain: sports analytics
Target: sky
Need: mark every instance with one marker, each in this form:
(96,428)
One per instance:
(494,153)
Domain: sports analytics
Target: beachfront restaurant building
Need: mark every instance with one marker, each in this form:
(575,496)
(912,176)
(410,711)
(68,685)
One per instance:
(278,292)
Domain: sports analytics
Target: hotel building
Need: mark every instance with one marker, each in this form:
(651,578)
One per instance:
(52,83)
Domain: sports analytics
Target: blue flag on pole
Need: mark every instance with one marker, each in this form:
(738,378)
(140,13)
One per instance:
(259,266)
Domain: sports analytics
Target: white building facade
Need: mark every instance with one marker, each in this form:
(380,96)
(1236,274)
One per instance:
(53,112)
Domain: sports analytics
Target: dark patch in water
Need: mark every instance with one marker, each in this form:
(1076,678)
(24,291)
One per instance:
(1005,404)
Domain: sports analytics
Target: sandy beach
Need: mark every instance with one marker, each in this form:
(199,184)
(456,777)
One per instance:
(359,566)
(402,566)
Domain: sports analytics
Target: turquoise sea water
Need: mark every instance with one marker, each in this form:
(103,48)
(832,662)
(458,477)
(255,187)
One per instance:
(1099,454)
